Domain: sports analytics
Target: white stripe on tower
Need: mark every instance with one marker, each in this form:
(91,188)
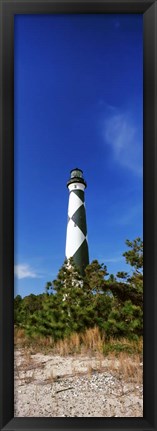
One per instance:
(76,238)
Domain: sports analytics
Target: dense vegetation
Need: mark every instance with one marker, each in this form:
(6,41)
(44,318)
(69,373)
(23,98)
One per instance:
(73,303)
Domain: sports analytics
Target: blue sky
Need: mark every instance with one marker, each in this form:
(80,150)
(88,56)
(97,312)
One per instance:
(78,103)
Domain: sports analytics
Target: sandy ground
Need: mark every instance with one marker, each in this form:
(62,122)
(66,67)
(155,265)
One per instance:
(73,386)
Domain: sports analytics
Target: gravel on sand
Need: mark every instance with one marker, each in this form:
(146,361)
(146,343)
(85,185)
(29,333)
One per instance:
(73,386)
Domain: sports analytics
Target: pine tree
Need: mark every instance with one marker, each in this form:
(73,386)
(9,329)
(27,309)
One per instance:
(126,317)
(72,303)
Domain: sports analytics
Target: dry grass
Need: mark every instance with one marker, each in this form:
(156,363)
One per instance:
(122,358)
(19,337)
(131,369)
(89,342)
(126,367)
(68,346)
(92,340)
(32,345)
(51,378)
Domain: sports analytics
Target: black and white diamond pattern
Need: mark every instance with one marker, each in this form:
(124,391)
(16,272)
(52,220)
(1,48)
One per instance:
(76,241)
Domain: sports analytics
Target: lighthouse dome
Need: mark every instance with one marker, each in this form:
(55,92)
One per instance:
(76,176)
(78,173)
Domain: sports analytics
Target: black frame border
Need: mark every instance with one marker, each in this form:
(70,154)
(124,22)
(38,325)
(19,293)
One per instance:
(8,9)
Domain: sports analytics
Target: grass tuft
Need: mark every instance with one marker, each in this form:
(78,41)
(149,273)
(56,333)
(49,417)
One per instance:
(89,342)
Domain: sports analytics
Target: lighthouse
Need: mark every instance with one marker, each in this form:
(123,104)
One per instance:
(76,237)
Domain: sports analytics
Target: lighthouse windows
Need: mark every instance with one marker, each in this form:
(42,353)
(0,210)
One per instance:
(75,187)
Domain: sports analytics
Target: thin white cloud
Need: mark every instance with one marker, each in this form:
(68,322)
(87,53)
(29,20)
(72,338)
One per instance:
(122,134)
(113,259)
(25,271)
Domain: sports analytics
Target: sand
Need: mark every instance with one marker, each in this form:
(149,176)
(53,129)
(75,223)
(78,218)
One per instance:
(74,386)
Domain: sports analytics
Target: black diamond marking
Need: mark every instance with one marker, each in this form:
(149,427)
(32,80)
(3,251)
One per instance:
(79,217)
(81,257)
(80,194)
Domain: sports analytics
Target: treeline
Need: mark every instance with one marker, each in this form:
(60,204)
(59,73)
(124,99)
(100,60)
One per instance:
(73,303)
